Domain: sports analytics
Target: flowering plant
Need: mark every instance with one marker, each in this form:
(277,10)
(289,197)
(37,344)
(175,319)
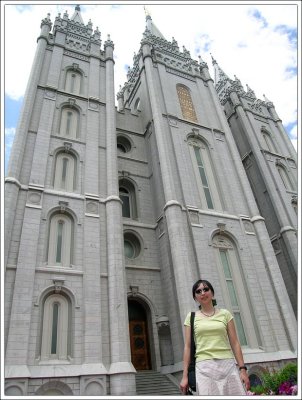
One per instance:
(282,382)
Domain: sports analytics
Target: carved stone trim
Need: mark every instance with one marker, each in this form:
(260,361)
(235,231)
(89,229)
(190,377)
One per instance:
(67,146)
(134,290)
(63,205)
(221,242)
(91,207)
(34,197)
(76,55)
(58,283)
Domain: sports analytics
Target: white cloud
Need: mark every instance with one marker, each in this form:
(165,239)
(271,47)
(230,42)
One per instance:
(9,138)
(258,55)
(293,134)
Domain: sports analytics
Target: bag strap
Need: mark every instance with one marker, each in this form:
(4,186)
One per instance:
(192,338)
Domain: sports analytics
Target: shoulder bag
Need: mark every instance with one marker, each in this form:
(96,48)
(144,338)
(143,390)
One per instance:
(191,369)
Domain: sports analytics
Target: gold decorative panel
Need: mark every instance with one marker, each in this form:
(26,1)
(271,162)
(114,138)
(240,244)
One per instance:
(186,104)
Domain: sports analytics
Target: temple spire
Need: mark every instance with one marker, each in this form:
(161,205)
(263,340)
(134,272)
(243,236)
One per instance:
(219,74)
(77,17)
(150,26)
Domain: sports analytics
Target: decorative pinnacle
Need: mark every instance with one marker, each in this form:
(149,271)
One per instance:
(147,13)
(77,8)
(109,42)
(213,60)
(268,102)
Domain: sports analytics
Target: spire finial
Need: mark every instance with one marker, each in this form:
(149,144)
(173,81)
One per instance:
(213,60)
(147,13)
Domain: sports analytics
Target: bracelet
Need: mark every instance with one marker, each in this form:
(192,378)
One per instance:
(243,367)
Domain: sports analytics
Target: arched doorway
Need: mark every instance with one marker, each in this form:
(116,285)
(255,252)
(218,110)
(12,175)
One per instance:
(139,342)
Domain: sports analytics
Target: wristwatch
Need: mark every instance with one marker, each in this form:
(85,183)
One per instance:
(243,367)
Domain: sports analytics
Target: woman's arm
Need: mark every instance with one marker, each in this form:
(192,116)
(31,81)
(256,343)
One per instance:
(186,360)
(236,348)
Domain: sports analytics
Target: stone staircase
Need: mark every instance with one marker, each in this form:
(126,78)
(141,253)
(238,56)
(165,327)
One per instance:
(154,383)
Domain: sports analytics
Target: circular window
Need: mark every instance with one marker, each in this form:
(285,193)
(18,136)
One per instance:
(132,246)
(123,144)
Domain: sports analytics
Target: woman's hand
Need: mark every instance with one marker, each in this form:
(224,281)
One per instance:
(245,378)
(184,386)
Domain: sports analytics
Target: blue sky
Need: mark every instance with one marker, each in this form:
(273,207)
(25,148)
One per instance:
(255,42)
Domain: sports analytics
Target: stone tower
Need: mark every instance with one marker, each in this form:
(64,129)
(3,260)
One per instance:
(270,162)
(113,214)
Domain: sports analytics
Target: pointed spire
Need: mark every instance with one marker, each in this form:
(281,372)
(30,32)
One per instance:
(202,63)
(219,74)
(77,15)
(250,92)
(268,102)
(213,60)
(266,99)
(151,27)
(147,13)
(186,52)
(46,21)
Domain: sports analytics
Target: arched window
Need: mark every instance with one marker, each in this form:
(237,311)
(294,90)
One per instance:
(73,81)
(60,240)
(65,172)
(284,177)
(233,291)
(56,316)
(186,103)
(69,124)
(206,180)
(269,144)
(128,197)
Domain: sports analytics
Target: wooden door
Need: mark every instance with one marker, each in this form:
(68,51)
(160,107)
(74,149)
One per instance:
(139,345)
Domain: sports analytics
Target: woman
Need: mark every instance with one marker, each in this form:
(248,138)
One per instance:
(216,345)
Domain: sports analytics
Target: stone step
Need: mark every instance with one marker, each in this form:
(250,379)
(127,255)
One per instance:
(155,383)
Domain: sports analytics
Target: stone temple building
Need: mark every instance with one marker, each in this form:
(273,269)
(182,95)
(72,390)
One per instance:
(113,213)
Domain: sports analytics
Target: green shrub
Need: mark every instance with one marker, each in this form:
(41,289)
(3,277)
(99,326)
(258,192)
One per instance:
(271,381)
(259,389)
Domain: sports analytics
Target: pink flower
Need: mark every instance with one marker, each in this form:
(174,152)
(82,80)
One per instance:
(249,393)
(294,390)
(285,388)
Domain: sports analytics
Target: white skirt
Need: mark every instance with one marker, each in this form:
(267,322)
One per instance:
(218,378)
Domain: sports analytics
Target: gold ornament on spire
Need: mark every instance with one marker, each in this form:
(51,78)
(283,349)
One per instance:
(147,12)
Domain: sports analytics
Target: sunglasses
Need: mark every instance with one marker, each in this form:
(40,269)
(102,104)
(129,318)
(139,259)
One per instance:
(199,291)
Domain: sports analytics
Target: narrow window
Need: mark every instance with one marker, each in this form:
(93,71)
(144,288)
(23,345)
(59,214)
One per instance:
(128,196)
(59,242)
(125,197)
(73,81)
(68,123)
(56,328)
(54,336)
(203,177)
(232,296)
(73,77)
(268,141)
(65,172)
(285,178)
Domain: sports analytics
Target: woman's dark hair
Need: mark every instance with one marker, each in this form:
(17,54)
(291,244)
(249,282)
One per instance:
(204,282)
